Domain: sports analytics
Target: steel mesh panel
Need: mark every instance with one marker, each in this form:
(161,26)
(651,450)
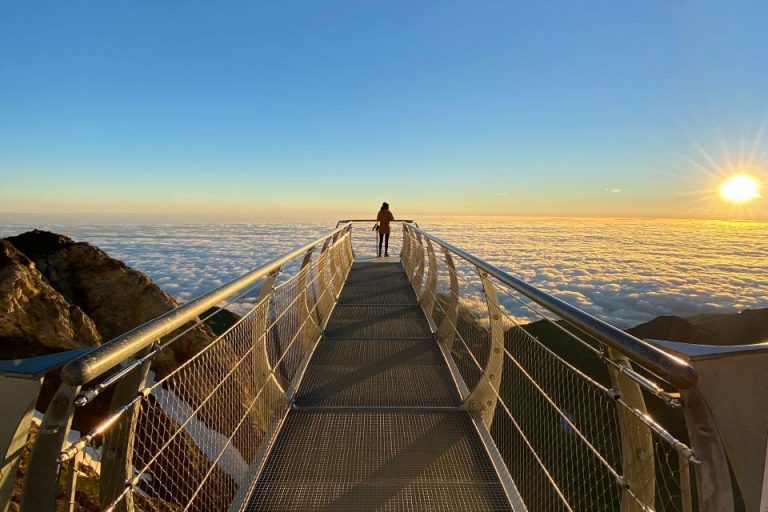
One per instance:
(378,461)
(564,434)
(191,432)
(375,294)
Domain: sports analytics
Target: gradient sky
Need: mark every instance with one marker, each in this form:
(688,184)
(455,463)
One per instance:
(247,110)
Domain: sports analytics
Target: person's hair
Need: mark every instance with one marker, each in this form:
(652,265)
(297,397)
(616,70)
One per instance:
(385,206)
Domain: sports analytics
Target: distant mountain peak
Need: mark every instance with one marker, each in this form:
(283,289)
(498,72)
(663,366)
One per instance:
(747,327)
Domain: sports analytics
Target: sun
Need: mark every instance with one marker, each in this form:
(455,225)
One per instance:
(740,188)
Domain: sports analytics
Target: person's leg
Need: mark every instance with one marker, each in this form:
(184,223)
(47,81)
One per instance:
(386,244)
(381,239)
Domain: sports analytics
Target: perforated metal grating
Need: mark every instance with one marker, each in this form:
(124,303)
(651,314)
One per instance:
(378,322)
(371,277)
(377,386)
(376,294)
(377,372)
(371,460)
(378,351)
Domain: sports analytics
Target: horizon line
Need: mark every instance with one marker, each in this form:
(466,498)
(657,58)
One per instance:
(163,218)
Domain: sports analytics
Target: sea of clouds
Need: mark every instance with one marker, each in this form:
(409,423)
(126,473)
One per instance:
(623,271)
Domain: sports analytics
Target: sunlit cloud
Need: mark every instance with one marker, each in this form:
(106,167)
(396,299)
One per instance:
(625,272)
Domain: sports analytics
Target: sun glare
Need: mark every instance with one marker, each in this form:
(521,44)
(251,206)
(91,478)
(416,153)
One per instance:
(740,189)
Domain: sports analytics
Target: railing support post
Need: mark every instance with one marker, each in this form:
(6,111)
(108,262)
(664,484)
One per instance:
(117,454)
(446,331)
(406,250)
(636,441)
(41,480)
(346,256)
(262,366)
(407,257)
(323,300)
(350,248)
(485,395)
(17,402)
(418,272)
(310,328)
(430,292)
(337,280)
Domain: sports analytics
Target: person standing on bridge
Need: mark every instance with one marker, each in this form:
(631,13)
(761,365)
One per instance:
(384,218)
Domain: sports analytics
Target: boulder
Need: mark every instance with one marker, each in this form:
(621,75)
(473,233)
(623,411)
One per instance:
(116,297)
(35,318)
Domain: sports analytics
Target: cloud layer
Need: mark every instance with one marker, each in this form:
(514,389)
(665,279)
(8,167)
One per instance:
(627,271)
(623,271)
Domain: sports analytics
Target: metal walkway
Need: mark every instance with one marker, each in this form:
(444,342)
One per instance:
(438,382)
(376,425)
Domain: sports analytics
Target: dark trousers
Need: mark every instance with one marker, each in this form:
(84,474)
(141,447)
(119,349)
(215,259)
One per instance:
(384,237)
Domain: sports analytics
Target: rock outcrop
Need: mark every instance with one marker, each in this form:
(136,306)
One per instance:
(114,296)
(35,318)
(749,326)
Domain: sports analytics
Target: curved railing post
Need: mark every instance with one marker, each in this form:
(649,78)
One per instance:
(337,279)
(117,453)
(264,376)
(409,261)
(405,251)
(41,480)
(17,402)
(446,331)
(324,299)
(486,393)
(307,321)
(418,271)
(347,255)
(636,440)
(350,250)
(430,291)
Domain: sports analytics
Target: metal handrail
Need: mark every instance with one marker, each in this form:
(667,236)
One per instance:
(107,356)
(345,221)
(671,368)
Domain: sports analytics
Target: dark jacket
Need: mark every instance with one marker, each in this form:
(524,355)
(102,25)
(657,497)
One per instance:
(384,218)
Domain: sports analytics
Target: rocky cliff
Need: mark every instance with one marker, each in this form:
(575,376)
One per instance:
(35,318)
(56,293)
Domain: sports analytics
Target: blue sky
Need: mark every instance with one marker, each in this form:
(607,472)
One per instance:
(247,110)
